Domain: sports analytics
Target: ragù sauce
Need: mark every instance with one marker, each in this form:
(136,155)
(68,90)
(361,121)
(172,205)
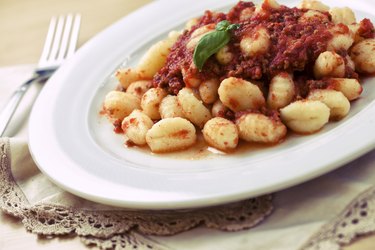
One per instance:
(295,45)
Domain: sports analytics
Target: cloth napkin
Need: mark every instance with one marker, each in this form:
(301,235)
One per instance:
(324,213)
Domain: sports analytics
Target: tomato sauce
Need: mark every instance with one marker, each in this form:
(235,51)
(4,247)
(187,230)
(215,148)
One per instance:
(295,45)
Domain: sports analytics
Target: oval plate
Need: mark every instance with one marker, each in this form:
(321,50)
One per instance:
(76,148)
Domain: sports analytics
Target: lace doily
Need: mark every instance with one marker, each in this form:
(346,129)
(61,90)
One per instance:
(121,229)
(355,221)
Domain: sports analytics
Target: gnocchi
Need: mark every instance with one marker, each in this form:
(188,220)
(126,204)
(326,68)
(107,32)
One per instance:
(135,127)
(363,56)
(208,90)
(313,5)
(247,13)
(193,108)
(128,76)
(313,15)
(156,56)
(151,100)
(351,88)
(256,43)
(221,133)
(342,15)
(224,56)
(257,78)
(342,38)
(260,128)
(138,88)
(238,94)
(169,107)
(281,91)
(118,104)
(336,101)
(305,117)
(330,64)
(171,134)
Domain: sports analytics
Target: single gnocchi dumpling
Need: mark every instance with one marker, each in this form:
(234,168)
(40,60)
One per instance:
(351,88)
(305,116)
(169,107)
(127,76)
(256,43)
(171,134)
(151,100)
(193,108)
(329,64)
(342,38)
(343,15)
(363,56)
(208,90)
(221,133)
(138,88)
(118,104)
(281,91)
(135,127)
(313,5)
(336,101)
(247,13)
(156,56)
(253,127)
(224,56)
(238,94)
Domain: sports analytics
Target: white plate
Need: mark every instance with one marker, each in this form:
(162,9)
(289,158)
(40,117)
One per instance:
(76,148)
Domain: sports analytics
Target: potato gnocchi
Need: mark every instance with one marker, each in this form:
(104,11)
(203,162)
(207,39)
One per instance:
(171,134)
(246,76)
(221,133)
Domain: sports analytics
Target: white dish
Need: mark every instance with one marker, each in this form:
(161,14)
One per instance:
(77,149)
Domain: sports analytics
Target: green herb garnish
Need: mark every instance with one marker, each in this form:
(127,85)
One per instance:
(212,42)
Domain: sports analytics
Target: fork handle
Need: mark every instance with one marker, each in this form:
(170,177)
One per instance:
(8,112)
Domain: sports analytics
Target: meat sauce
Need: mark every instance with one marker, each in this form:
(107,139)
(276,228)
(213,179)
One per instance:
(295,45)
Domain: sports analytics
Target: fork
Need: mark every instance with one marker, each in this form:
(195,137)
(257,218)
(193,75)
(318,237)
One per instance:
(59,45)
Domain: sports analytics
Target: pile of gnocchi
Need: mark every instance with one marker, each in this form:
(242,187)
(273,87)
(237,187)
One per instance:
(231,109)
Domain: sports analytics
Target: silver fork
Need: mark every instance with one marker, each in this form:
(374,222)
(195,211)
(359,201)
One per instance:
(60,44)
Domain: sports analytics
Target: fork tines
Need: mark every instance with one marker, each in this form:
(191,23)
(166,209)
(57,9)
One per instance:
(61,40)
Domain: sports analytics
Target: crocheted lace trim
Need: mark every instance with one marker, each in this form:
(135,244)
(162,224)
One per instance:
(356,220)
(121,229)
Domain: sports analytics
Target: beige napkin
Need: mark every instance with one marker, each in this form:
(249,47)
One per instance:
(314,215)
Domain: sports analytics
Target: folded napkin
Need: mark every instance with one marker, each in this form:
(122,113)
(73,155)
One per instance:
(323,213)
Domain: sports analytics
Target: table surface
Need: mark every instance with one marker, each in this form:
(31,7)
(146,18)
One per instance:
(23,28)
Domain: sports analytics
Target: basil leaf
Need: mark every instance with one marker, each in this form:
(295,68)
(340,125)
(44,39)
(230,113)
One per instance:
(223,25)
(212,42)
(226,26)
(233,27)
(208,45)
